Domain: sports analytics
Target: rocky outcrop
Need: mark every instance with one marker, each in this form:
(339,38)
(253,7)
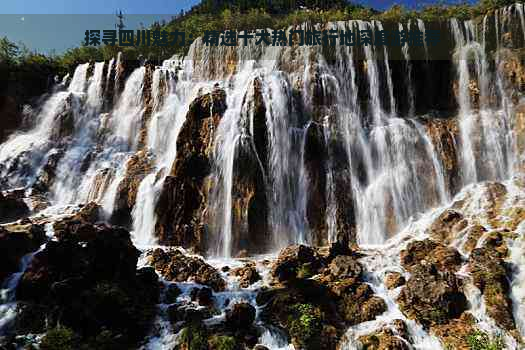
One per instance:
(247,274)
(79,226)
(316,295)
(16,242)
(296,262)
(184,194)
(12,207)
(431,296)
(394,280)
(174,266)
(47,173)
(383,339)
(101,273)
(429,252)
(444,134)
(489,273)
(137,167)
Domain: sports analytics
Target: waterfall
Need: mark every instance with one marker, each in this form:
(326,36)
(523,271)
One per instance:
(373,148)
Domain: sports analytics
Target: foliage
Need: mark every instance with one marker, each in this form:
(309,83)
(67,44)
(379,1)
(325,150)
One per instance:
(194,337)
(222,342)
(58,338)
(305,324)
(220,15)
(479,340)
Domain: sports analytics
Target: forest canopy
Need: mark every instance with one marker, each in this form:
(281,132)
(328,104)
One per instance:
(220,15)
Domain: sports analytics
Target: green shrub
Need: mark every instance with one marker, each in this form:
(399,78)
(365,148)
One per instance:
(479,340)
(58,338)
(305,324)
(222,342)
(194,337)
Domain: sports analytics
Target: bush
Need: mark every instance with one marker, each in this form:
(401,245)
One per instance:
(59,338)
(479,340)
(194,337)
(222,342)
(305,325)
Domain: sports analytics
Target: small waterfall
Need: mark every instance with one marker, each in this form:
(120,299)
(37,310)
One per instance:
(422,29)
(408,64)
(230,135)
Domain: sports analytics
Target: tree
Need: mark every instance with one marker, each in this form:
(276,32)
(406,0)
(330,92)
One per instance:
(9,51)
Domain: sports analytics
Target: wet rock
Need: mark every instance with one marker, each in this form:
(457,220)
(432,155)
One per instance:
(444,133)
(137,167)
(343,267)
(489,272)
(260,347)
(249,203)
(247,274)
(203,296)
(394,280)
(47,174)
(79,226)
(64,122)
(296,261)
(15,243)
(315,157)
(400,329)
(358,304)
(240,316)
(473,233)
(431,296)
(383,339)
(455,333)
(175,266)
(180,208)
(171,293)
(447,226)
(12,208)
(427,251)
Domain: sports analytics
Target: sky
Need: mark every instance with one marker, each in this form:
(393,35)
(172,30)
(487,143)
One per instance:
(53,26)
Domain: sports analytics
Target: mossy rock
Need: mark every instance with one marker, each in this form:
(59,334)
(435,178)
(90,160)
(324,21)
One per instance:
(59,338)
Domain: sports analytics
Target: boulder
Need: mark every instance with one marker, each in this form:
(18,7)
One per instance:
(79,226)
(384,339)
(447,226)
(17,243)
(455,333)
(427,251)
(173,265)
(240,316)
(247,274)
(296,261)
(12,208)
(343,267)
(431,296)
(394,280)
(203,296)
